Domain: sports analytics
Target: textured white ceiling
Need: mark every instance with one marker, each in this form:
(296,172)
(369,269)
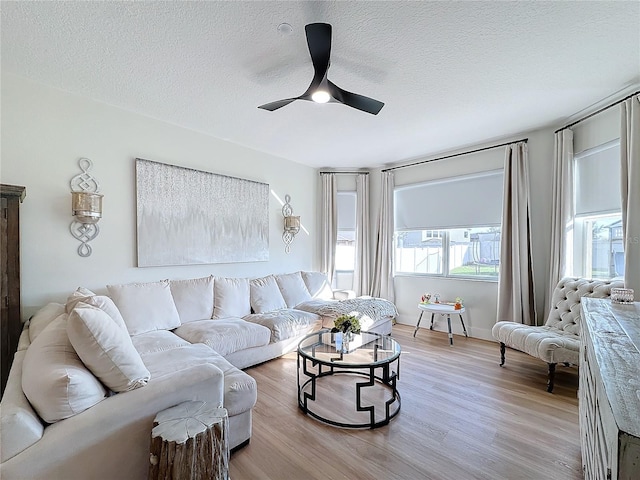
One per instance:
(451,74)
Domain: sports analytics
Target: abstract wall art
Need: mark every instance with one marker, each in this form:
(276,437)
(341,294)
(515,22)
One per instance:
(187,217)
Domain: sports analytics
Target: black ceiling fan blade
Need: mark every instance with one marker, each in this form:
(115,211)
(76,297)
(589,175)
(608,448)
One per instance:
(354,100)
(277,104)
(319,43)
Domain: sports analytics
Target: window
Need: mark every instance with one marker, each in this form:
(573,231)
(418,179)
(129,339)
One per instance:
(418,252)
(346,251)
(474,252)
(601,246)
(450,227)
(598,247)
(346,243)
(459,252)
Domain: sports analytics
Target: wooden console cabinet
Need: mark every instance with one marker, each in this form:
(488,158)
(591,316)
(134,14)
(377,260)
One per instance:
(609,393)
(10,197)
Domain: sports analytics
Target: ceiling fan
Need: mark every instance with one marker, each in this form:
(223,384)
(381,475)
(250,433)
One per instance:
(322,90)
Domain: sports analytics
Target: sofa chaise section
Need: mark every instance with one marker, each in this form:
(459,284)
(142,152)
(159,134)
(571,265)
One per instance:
(108,440)
(376,315)
(163,356)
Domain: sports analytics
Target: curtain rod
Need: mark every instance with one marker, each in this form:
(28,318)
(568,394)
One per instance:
(345,173)
(455,155)
(597,112)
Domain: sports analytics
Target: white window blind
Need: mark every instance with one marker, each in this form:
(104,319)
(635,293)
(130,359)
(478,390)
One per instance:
(346,210)
(597,180)
(454,202)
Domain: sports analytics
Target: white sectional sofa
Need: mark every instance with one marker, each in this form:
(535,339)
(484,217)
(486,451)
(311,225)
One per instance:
(89,376)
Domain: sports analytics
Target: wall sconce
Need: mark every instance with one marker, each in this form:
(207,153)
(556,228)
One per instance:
(86,207)
(291,224)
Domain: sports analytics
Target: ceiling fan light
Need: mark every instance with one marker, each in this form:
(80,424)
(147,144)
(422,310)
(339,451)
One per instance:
(320,96)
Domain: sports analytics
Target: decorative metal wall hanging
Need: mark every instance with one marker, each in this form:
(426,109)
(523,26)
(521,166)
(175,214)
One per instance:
(86,207)
(291,224)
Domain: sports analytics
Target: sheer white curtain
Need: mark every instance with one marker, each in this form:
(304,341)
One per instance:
(382,282)
(361,274)
(562,212)
(515,285)
(630,173)
(329,225)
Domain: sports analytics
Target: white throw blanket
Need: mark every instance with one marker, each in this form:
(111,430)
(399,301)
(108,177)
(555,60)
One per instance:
(374,308)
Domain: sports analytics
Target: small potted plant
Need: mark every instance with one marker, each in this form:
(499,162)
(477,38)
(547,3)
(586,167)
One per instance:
(348,326)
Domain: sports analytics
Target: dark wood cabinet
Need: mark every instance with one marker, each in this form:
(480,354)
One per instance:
(11,196)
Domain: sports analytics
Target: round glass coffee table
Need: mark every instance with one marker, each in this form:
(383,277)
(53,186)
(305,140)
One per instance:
(352,386)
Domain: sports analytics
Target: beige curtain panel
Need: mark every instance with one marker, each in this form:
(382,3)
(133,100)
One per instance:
(630,190)
(516,295)
(382,282)
(329,225)
(562,212)
(361,278)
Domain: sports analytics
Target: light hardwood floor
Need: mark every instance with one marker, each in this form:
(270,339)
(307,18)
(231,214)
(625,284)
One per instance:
(462,417)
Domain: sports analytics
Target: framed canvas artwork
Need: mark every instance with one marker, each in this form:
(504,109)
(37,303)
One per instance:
(187,217)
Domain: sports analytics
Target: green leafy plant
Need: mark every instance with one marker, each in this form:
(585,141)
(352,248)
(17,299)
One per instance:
(346,324)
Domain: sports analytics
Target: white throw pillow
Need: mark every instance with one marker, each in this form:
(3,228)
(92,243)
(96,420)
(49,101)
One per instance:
(293,289)
(265,295)
(101,301)
(193,298)
(54,379)
(318,285)
(145,307)
(106,348)
(80,295)
(43,318)
(105,304)
(231,297)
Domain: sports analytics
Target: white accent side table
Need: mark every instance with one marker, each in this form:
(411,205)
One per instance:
(442,309)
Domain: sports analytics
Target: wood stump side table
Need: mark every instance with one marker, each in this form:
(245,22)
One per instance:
(190,441)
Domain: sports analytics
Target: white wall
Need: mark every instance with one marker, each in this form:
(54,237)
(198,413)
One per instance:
(480,296)
(45,132)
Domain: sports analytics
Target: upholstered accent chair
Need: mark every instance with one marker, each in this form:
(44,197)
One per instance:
(558,340)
